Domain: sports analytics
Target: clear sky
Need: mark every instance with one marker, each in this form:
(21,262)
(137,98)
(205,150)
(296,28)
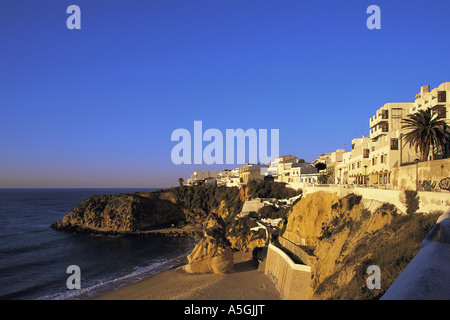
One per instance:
(96,107)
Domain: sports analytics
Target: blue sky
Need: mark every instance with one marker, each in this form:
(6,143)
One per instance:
(96,107)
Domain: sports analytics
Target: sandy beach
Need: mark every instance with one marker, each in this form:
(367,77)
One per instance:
(245,282)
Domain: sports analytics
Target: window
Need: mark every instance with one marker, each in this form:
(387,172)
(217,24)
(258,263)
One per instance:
(394,144)
(366,153)
(382,159)
(442,96)
(373,161)
(441,113)
(396,112)
(385,114)
(385,127)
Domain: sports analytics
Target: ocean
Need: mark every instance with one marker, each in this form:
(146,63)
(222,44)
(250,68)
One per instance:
(34,258)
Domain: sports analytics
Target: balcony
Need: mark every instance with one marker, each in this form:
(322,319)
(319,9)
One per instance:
(378,131)
(381,117)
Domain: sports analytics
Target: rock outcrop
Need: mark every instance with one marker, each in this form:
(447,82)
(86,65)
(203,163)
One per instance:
(121,213)
(209,256)
(213,253)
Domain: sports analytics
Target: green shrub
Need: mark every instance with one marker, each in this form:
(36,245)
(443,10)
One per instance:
(270,189)
(411,200)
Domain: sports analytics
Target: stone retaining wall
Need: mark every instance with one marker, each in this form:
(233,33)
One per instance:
(292,280)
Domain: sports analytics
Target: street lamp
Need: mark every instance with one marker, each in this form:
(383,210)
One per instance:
(365,175)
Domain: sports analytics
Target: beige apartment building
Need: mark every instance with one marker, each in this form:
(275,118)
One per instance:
(388,150)
(333,159)
(251,172)
(341,169)
(359,161)
(385,147)
(436,99)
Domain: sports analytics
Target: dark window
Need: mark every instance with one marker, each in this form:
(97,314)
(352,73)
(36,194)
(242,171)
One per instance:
(442,113)
(442,96)
(366,153)
(394,144)
(385,114)
(385,127)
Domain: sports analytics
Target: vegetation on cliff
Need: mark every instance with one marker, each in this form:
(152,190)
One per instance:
(142,211)
(269,189)
(346,238)
(122,213)
(199,201)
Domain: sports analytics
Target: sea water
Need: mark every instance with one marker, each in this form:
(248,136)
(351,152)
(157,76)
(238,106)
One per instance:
(34,257)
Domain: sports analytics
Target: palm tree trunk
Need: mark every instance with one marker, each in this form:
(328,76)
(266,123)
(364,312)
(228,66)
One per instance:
(425,154)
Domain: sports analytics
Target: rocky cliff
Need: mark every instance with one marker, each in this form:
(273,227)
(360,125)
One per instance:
(122,213)
(213,253)
(346,235)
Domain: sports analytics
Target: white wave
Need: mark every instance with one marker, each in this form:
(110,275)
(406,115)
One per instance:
(140,273)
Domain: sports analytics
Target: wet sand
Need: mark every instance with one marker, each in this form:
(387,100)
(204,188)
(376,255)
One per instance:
(245,282)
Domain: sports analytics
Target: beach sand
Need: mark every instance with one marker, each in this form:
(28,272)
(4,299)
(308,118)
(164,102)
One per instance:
(245,282)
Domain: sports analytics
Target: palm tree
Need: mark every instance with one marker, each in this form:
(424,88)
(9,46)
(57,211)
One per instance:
(426,132)
(181,180)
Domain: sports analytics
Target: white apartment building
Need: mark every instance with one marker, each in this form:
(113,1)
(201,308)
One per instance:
(310,177)
(274,166)
(298,170)
(200,175)
(228,178)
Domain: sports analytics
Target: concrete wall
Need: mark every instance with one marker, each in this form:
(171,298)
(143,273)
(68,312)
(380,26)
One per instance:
(295,249)
(429,176)
(252,205)
(429,201)
(293,281)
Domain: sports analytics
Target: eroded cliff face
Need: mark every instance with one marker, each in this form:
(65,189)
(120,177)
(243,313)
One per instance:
(346,238)
(213,253)
(122,213)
